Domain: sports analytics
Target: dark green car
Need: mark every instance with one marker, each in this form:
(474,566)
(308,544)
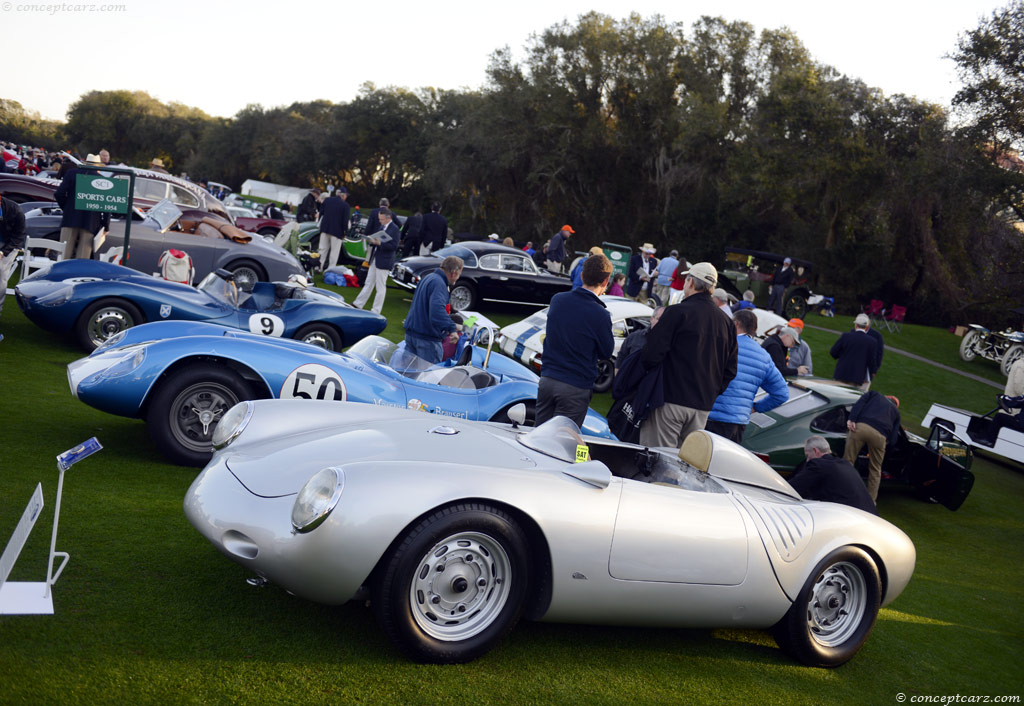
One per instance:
(938,468)
(753,270)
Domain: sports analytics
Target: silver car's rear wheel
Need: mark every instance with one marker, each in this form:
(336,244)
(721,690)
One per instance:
(834,612)
(454,585)
(462,586)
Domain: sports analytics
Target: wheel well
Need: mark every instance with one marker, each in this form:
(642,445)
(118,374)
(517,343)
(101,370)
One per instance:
(882,574)
(256,383)
(260,269)
(539,596)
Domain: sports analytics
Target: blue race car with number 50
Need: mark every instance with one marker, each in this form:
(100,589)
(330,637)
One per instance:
(181,377)
(97,300)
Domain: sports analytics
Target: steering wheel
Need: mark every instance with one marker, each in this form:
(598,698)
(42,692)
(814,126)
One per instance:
(466,357)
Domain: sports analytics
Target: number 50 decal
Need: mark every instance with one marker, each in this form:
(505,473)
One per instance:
(266,324)
(314,382)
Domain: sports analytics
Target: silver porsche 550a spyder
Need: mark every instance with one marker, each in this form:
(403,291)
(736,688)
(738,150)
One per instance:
(456,529)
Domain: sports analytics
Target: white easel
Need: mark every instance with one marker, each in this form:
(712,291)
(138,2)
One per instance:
(35,598)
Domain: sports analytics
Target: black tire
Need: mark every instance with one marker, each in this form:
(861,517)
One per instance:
(247,273)
(463,296)
(834,612)
(185,408)
(653,301)
(796,307)
(531,414)
(605,376)
(322,335)
(269,232)
(103,319)
(454,585)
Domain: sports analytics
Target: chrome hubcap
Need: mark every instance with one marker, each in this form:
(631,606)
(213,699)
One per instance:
(460,298)
(320,339)
(460,587)
(107,322)
(837,604)
(196,411)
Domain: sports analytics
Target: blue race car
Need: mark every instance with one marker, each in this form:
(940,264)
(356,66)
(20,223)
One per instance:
(97,300)
(181,377)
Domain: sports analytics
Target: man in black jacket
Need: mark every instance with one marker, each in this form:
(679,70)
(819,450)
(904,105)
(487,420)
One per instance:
(829,478)
(77,227)
(411,234)
(874,422)
(307,208)
(12,226)
(433,231)
(855,353)
(333,227)
(777,346)
(578,334)
(696,347)
(781,280)
(373,224)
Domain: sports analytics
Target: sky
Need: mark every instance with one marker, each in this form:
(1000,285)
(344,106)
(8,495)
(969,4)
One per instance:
(222,56)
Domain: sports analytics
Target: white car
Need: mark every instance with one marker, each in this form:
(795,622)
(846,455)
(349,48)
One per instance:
(524,340)
(986,432)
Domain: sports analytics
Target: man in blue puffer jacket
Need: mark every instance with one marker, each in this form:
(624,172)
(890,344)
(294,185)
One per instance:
(754,369)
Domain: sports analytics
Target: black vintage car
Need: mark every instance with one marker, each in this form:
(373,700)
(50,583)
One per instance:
(491,272)
(753,270)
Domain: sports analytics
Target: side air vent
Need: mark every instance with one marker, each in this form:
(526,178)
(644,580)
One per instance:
(789,526)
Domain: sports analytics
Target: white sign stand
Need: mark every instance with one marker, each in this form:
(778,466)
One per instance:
(35,598)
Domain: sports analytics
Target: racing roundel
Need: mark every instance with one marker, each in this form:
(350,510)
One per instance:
(313,381)
(266,325)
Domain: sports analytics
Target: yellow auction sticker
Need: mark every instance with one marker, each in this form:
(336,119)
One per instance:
(582,453)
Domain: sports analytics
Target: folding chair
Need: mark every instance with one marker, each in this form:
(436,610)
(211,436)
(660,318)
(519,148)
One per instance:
(894,319)
(31,262)
(875,311)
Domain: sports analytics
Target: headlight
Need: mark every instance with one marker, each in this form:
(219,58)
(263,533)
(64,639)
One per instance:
(57,298)
(232,424)
(317,499)
(129,361)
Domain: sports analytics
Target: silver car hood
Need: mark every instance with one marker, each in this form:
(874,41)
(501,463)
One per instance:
(264,461)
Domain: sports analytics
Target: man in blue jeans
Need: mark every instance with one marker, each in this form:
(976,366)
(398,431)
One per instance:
(429,319)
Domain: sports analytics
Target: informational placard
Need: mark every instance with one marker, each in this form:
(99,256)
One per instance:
(23,598)
(95,192)
(21,532)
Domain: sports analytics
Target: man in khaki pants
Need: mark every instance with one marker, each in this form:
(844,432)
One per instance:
(77,228)
(874,422)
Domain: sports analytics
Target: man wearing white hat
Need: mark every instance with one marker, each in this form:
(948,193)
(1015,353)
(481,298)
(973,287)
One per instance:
(781,280)
(696,348)
(642,268)
(76,227)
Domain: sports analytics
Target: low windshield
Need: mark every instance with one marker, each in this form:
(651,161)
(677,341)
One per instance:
(223,290)
(377,349)
(467,255)
(558,437)
(165,214)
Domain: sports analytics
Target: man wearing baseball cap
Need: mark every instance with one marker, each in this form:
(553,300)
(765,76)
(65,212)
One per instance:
(778,345)
(696,347)
(800,354)
(556,249)
(781,280)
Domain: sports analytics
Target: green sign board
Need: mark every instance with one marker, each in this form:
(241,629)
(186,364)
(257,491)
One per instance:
(95,192)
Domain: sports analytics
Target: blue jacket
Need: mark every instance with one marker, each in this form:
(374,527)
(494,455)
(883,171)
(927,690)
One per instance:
(336,216)
(428,315)
(577,274)
(577,335)
(556,248)
(754,369)
(383,256)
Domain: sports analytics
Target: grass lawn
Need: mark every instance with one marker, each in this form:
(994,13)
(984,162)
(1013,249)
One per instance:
(147,611)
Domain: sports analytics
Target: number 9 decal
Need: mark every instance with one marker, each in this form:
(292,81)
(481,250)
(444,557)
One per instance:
(266,325)
(314,382)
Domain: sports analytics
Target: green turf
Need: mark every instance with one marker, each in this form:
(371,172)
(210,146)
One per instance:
(148,612)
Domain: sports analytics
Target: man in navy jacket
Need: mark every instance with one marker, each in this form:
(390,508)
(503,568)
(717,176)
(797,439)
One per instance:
(855,353)
(333,227)
(429,319)
(578,334)
(434,230)
(383,244)
(829,478)
(874,422)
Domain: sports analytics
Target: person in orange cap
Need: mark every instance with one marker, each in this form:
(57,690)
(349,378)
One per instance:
(556,249)
(800,354)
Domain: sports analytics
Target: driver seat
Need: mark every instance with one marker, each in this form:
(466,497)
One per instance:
(696,450)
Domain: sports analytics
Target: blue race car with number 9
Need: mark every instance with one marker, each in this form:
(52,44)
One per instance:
(96,300)
(181,377)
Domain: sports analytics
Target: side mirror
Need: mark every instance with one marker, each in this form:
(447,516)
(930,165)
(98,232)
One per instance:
(517,414)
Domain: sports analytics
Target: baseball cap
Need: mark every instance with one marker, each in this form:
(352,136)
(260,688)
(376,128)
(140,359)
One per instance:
(791,331)
(493,236)
(721,294)
(862,320)
(568,228)
(341,190)
(798,324)
(705,272)
(787,261)
(596,250)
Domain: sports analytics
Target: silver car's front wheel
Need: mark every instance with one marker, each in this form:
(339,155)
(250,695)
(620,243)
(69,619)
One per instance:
(455,584)
(834,612)
(461,587)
